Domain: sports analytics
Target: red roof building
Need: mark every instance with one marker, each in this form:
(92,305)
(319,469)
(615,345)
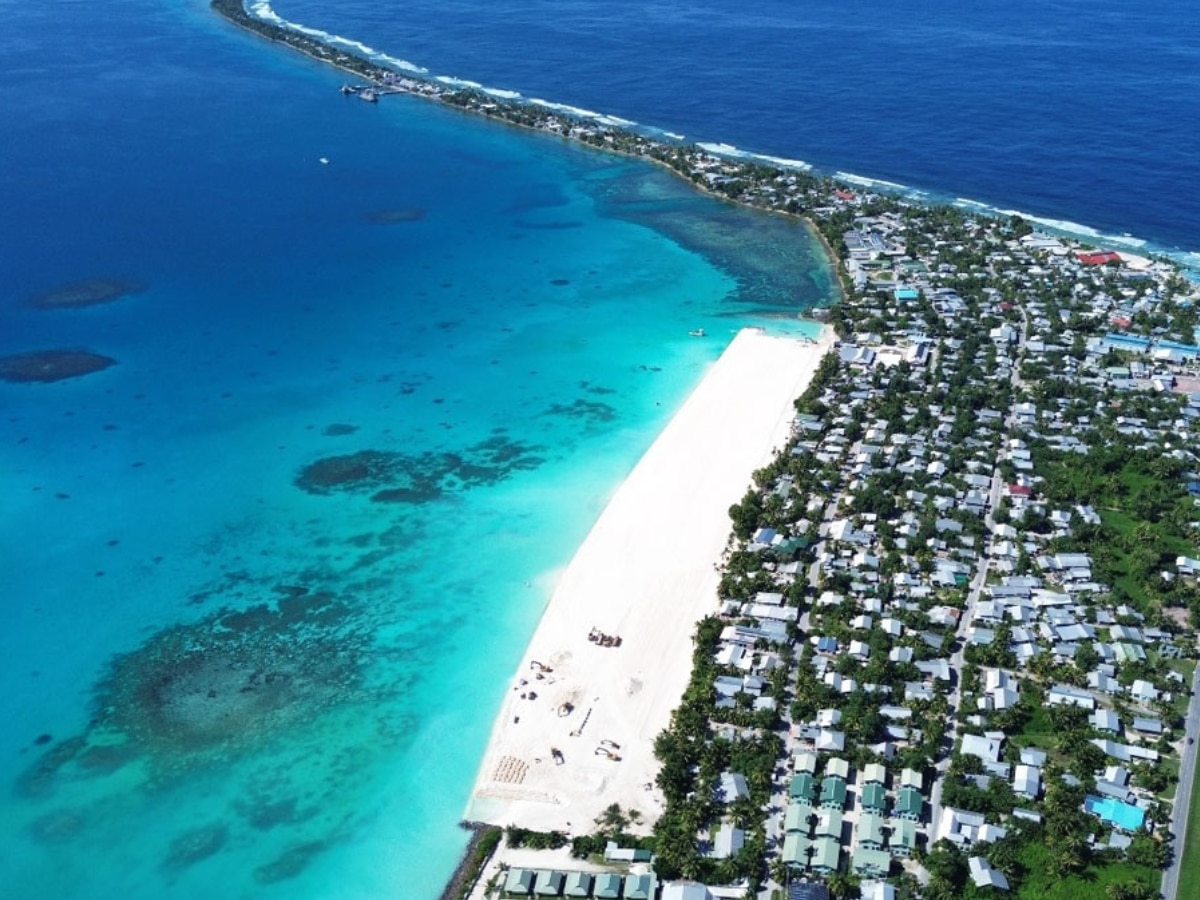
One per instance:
(1098,258)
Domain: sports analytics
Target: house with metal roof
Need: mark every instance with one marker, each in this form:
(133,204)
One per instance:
(983,875)
(805,762)
(1106,720)
(1027,781)
(868,831)
(519,881)
(909,804)
(686,890)
(578,884)
(833,792)
(797,818)
(796,848)
(607,886)
(874,797)
(839,767)
(640,887)
(874,773)
(802,788)
(826,856)
(548,883)
(732,786)
(828,824)
(870,862)
(728,840)
(903,839)
(911,778)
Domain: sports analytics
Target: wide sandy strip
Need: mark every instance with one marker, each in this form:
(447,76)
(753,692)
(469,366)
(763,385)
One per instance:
(646,573)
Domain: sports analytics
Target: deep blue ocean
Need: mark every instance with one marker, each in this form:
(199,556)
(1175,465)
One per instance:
(378,368)
(1081,113)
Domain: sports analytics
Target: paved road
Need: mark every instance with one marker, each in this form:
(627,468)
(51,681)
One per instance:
(1183,793)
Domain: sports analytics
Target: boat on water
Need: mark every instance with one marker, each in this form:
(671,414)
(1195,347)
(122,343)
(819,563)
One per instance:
(697,332)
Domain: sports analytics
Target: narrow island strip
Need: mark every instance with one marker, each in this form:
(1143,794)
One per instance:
(612,653)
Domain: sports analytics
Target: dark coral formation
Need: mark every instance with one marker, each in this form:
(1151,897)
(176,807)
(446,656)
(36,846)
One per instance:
(239,675)
(592,411)
(395,216)
(195,693)
(291,862)
(91,292)
(57,826)
(392,477)
(195,846)
(52,365)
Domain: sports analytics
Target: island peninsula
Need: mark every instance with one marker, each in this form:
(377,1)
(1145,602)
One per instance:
(948,649)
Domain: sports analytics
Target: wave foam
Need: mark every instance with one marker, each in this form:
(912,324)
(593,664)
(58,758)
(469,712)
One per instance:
(1190,260)
(451,81)
(564,108)
(261,9)
(863,181)
(720,149)
(783,162)
(501,94)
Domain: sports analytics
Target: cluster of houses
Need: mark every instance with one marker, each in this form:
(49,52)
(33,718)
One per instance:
(942,565)
(924,547)
(819,828)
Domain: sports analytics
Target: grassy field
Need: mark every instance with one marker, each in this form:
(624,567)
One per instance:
(1189,886)
(1091,884)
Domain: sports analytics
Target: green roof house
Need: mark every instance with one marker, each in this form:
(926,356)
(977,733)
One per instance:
(795,820)
(607,886)
(826,856)
(548,884)
(639,887)
(519,881)
(874,797)
(802,788)
(578,884)
(870,862)
(795,851)
(909,804)
(829,824)
(868,831)
(903,840)
(833,792)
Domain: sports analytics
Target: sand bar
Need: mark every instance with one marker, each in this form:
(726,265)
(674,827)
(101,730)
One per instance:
(645,573)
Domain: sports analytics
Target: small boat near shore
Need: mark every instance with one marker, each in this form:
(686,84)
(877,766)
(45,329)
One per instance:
(696,332)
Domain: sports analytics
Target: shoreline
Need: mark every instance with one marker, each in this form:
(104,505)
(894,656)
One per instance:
(688,160)
(646,573)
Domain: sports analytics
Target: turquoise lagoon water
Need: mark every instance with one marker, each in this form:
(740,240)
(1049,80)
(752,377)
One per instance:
(219,680)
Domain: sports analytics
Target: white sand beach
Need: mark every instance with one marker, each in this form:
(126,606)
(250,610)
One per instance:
(646,573)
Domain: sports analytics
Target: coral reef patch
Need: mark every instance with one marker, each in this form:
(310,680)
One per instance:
(393,477)
(395,216)
(195,846)
(591,411)
(89,292)
(52,365)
